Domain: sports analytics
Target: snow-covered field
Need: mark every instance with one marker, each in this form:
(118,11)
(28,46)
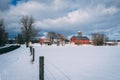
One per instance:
(69,62)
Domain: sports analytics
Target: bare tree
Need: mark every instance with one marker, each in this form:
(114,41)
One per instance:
(59,37)
(3,33)
(28,30)
(98,39)
(62,39)
(51,36)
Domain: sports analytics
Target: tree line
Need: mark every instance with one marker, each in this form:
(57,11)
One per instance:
(28,33)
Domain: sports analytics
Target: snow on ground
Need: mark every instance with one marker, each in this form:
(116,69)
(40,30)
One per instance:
(7,45)
(69,62)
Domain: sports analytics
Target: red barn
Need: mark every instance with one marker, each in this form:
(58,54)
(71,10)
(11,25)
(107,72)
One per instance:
(79,40)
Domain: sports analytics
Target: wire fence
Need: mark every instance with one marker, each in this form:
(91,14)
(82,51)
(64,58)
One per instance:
(55,72)
(51,71)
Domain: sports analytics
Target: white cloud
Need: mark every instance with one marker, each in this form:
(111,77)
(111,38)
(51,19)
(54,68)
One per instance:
(78,16)
(63,15)
(71,18)
(85,16)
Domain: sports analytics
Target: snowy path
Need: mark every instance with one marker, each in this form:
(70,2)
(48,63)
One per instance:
(77,62)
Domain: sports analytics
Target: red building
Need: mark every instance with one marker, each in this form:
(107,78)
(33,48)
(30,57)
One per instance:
(79,40)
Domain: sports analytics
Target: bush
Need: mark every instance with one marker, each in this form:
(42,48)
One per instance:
(8,49)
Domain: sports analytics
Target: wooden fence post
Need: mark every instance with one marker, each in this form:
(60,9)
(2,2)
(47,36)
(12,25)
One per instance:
(33,53)
(31,50)
(41,68)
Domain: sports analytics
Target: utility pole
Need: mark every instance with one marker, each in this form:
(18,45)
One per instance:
(41,68)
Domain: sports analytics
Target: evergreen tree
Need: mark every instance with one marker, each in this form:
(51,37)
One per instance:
(3,33)
(19,39)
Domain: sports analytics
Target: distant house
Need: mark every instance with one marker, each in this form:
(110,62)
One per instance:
(49,41)
(53,38)
(111,43)
(45,41)
(79,39)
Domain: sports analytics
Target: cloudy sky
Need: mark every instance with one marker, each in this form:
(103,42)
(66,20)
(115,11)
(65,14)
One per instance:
(64,16)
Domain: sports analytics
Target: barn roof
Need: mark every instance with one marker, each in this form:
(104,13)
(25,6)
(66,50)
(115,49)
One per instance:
(81,37)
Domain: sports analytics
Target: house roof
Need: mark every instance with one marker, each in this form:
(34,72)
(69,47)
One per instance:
(81,37)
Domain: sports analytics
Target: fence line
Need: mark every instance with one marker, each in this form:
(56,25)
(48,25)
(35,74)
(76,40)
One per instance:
(62,72)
